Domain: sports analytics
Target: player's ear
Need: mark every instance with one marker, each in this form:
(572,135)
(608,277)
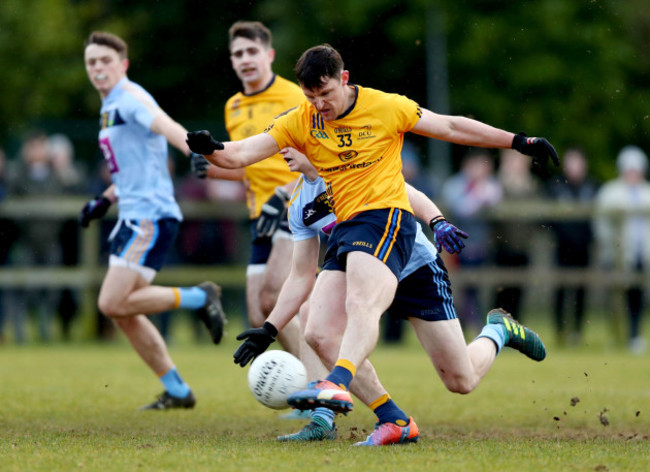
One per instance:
(271,54)
(345,77)
(125,65)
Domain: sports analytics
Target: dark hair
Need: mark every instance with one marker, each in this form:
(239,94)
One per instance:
(110,40)
(317,65)
(253,30)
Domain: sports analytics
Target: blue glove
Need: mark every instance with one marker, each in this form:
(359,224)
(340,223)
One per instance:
(95,208)
(538,148)
(202,142)
(446,235)
(272,213)
(199,165)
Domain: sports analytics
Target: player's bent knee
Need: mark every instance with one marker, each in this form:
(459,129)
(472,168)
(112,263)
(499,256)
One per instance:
(459,384)
(110,309)
(323,346)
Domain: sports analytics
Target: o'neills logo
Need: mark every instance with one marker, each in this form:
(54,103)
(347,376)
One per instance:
(347,155)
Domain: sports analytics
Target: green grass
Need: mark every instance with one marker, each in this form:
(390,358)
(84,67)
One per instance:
(73,407)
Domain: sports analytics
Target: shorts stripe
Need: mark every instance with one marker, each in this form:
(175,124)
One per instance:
(131,254)
(139,246)
(155,229)
(447,300)
(390,234)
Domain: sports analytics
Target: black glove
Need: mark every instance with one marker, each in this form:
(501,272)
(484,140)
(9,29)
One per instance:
(447,235)
(95,208)
(257,341)
(538,148)
(201,142)
(199,165)
(272,213)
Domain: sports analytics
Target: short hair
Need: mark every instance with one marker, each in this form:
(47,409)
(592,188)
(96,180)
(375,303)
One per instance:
(253,30)
(317,65)
(109,40)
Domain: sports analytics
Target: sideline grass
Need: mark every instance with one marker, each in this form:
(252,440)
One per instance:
(73,407)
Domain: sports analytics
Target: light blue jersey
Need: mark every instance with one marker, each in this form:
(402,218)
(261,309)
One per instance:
(135,155)
(310,214)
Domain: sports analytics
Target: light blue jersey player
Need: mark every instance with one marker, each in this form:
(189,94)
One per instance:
(133,137)
(310,214)
(136,156)
(423,297)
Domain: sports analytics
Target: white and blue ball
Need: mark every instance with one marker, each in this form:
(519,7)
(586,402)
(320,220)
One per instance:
(274,375)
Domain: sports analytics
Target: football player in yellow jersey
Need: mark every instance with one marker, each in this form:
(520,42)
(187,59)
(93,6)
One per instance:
(269,182)
(353,136)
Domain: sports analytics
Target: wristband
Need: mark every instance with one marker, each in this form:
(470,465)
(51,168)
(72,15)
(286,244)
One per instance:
(434,221)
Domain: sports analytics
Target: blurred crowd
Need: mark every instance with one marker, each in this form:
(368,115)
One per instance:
(616,237)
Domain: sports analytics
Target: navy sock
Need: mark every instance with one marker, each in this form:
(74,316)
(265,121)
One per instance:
(340,376)
(389,412)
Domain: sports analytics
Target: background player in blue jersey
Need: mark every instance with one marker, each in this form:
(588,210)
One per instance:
(133,137)
(423,297)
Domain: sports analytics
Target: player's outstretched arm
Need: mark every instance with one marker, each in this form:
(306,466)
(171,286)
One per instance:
(468,132)
(294,292)
(297,287)
(232,154)
(173,131)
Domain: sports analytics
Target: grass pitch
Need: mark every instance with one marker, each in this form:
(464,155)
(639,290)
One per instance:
(70,407)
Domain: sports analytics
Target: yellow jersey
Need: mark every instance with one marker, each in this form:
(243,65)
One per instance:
(358,154)
(247,115)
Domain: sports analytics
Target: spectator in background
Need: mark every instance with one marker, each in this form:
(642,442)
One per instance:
(413,172)
(573,238)
(513,237)
(467,195)
(69,172)
(38,243)
(8,234)
(622,228)
(71,179)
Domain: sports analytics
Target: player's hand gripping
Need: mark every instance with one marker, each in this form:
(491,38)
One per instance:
(199,165)
(538,148)
(272,213)
(202,142)
(95,208)
(257,341)
(446,235)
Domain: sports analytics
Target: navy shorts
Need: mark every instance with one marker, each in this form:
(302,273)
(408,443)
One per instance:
(260,245)
(388,234)
(425,294)
(144,242)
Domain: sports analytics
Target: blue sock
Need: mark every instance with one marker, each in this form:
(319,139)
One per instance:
(174,384)
(340,376)
(324,414)
(191,297)
(389,412)
(496,333)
